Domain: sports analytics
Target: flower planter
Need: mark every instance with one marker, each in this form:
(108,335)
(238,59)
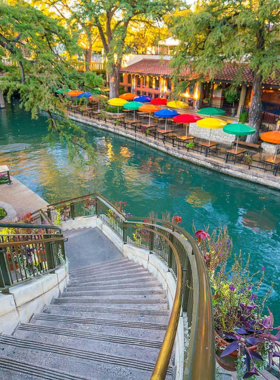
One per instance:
(228,362)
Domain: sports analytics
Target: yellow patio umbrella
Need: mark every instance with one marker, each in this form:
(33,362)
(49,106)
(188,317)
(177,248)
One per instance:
(211,123)
(117,102)
(177,104)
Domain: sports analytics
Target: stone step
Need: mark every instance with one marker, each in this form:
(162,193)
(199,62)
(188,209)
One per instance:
(117,346)
(128,268)
(106,265)
(78,362)
(153,300)
(147,334)
(104,310)
(130,286)
(80,334)
(139,275)
(121,294)
(141,280)
(121,315)
(18,370)
(100,321)
(132,305)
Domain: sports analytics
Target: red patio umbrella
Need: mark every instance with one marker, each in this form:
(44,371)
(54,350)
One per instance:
(159,102)
(186,118)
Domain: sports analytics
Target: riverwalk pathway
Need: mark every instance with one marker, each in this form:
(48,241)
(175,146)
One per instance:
(17,199)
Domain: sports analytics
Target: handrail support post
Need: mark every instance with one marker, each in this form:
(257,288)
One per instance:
(5,278)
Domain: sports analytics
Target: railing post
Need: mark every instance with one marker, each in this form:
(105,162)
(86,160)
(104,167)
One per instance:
(124,234)
(170,255)
(72,210)
(5,278)
(49,255)
(152,240)
(49,213)
(96,208)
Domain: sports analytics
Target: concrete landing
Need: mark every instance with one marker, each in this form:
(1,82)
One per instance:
(97,248)
(20,198)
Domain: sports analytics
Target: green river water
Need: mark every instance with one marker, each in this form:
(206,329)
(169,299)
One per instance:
(148,181)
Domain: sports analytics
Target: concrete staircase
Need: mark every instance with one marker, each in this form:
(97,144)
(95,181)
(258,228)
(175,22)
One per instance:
(108,325)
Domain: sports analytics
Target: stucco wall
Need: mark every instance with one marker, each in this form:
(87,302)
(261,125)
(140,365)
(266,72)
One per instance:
(28,298)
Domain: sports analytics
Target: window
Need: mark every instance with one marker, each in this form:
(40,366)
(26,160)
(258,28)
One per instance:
(138,93)
(128,89)
(150,84)
(168,83)
(138,81)
(129,78)
(156,95)
(150,94)
(157,83)
(144,93)
(121,78)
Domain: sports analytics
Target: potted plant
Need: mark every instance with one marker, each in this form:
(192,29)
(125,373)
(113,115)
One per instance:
(206,100)
(245,337)
(231,96)
(247,160)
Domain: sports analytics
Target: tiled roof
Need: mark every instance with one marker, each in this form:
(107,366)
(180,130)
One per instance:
(230,72)
(149,67)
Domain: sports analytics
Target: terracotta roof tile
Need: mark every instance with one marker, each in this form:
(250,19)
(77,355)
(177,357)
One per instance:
(229,73)
(149,66)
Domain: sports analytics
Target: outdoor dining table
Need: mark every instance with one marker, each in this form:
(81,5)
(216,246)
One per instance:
(274,162)
(207,145)
(234,152)
(128,121)
(182,139)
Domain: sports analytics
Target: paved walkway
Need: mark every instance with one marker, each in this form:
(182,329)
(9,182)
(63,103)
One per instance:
(97,248)
(20,199)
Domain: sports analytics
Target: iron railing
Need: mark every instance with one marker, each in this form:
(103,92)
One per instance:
(180,253)
(28,251)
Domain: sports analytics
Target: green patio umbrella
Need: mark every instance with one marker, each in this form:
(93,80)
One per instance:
(211,111)
(239,130)
(61,91)
(134,106)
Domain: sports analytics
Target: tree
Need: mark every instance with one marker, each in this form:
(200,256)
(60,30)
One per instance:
(41,49)
(66,10)
(244,33)
(113,20)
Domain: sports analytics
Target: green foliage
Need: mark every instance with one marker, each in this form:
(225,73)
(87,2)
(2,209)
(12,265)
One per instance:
(219,33)
(114,109)
(2,213)
(41,46)
(243,117)
(231,95)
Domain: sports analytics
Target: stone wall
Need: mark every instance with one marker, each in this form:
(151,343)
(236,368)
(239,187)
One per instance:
(28,298)
(217,134)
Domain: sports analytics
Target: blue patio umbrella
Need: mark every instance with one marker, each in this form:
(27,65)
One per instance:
(142,99)
(84,95)
(166,113)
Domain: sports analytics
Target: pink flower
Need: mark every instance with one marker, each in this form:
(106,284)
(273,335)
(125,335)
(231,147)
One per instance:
(201,235)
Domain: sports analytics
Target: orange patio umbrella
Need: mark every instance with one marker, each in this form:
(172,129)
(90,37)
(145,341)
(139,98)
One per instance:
(149,108)
(74,93)
(127,96)
(272,137)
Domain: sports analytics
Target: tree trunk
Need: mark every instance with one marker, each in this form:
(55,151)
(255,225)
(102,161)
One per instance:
(114,81)
(88,56)
(255,113)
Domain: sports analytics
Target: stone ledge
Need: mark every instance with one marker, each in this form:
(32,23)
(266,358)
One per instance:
(28,298)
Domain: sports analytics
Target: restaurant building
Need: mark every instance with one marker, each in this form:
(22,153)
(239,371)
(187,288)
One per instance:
(151,75)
